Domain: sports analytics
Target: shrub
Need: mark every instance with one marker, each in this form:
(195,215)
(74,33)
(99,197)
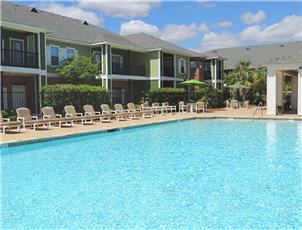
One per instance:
(78,70)
(171,95)
(60,95)
(214,97)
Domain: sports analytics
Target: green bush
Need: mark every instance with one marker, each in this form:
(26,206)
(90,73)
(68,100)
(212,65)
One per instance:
(60,95)
(171,95)
(11,114)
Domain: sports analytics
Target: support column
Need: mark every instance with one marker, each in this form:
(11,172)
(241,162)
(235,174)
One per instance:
(279,89)
(271,98)
(299,101)
(294,94)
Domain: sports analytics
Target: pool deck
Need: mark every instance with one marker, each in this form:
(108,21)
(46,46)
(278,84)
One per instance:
(45,134)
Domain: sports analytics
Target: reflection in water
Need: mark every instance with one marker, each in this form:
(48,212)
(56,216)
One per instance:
(271,137)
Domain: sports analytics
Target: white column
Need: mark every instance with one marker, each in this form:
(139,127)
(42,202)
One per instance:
(299,102)
(271,98)
(279,89)
(294,94)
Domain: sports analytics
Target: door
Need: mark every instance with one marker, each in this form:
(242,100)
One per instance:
(17,57)
(118,96)
(168,66)
(19,96)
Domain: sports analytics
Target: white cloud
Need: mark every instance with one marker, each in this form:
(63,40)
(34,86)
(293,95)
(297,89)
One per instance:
(178,33)
(288,29)
(122,9)
(250,18)
(203,27)
(71,11)
(138,26)
(224,24)
(172,32)
(213,40)
(206,3)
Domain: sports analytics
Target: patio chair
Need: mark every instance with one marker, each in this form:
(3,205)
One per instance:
(27,120)
(200,106)
(89,111)
(234,104)
(71,112)
(144,114)
(182,107)
(167,107)
(246,104)
(49,114)
(156,108)
(5,124)
(145,107)
(122,113)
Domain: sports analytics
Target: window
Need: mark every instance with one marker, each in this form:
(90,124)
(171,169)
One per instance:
(182,66)
(54,55)
(97,58)
(70,53)
(17,54)
(117,63)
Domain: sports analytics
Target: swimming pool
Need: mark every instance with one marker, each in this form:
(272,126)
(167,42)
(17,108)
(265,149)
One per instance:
(188,174)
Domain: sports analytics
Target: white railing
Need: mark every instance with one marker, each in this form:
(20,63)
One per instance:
(260,105)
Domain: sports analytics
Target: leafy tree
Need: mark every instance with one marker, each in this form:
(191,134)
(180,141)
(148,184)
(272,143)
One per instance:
(78,70)
(255,79)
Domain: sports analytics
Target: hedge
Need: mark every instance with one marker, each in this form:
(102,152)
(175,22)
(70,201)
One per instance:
(60,95)
(171,95)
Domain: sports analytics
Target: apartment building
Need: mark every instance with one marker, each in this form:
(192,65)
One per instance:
(34,43)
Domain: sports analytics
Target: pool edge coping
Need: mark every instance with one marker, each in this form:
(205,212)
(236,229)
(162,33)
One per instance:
(132,126)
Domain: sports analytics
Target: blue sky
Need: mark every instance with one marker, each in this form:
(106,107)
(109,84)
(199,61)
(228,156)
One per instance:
(198,25)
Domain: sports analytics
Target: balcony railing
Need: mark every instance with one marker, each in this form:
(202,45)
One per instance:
(137,70)
(19,58)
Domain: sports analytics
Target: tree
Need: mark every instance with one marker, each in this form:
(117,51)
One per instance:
(78,70)
(254,78)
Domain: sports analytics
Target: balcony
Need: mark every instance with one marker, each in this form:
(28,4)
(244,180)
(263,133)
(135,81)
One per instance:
(136,70)
(19,58)
(168,71)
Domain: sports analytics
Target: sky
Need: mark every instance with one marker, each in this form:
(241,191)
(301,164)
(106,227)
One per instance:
(198,25)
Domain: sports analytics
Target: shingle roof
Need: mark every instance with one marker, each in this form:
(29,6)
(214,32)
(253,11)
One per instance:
(150,42)
(260,55)
(61,27)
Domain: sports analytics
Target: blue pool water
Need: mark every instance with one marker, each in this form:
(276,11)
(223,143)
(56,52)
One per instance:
(189,174)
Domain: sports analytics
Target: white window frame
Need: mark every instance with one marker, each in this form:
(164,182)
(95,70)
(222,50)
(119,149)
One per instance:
(58,47)
(120,56)
(180,65)
(74,52)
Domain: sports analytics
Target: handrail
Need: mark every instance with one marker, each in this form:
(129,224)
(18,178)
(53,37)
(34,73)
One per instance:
(260,105)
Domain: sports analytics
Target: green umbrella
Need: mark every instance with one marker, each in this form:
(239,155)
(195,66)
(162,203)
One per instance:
(238,86)
(194,82)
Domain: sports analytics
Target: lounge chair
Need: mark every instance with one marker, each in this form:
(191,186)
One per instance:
(169,108)
(24,116)
(89,111)
(182,107)
(49,114)
(106,109)
(5,124)
(145,107)
(72,113)
(200,106)
(122,113)
(144,114)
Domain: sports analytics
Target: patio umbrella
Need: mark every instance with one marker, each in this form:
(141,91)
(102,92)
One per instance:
(239,86)
(193,82)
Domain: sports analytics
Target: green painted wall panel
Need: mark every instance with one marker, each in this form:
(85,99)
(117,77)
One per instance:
(154,84)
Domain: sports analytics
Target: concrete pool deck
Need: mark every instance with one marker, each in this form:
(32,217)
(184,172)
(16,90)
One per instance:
(46,134)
